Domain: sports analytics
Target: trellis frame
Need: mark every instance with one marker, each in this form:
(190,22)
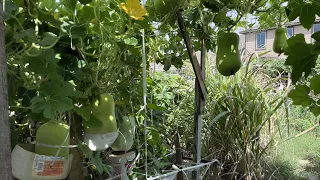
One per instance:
(200,88)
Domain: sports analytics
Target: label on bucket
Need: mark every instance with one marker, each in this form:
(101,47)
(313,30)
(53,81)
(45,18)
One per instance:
(47,166)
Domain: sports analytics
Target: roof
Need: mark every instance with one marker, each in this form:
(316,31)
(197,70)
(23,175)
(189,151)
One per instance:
(288,24)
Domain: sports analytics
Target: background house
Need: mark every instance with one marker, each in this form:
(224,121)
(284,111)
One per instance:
(261,40)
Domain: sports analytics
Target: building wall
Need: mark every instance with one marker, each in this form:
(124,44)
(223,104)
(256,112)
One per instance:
(250,39)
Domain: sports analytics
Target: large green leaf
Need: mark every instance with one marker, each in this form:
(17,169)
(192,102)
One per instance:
(48,39)
(302,60)
(54,96)
(9,9)
(316,6)
(315,109)
(316,36)
(29,34)
(50,105)
(86,14)
(44,64)
(315,84)
(294,7)
(71,4)
(300,96)
(307,16)
(74,30)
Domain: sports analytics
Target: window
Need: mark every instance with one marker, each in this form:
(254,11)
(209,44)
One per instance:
(315,28)
(290,32)
(261,40)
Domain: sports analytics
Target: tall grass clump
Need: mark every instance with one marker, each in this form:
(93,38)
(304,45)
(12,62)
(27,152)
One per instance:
(240,111)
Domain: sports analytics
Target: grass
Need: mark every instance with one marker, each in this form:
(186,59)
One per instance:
(298,158)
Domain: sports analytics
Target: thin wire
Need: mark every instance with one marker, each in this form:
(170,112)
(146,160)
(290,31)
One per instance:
(144,73)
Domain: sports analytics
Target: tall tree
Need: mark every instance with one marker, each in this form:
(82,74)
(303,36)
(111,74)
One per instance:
(5,148)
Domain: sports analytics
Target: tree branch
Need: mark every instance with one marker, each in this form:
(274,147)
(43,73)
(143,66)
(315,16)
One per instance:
(192,55)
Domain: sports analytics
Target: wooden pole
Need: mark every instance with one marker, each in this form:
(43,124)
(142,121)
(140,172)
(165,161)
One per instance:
(5,141)
(179,158)
(200,89)
(192,55)
(198,112)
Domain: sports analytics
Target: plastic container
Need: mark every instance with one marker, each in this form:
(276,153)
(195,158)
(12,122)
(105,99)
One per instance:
(100,142)
(27,165)
(121,164)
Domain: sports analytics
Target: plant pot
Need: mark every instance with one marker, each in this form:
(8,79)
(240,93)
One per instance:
(121,164)
(27,165)
(100,142)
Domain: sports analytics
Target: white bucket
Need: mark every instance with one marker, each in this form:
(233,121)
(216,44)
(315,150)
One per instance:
(100,142)
(121,166)
(27,165)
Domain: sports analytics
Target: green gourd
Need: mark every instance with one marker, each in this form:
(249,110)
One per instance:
(103,110)
(280,40)
(52,133)
(228,57)
(166,6)
(126,135)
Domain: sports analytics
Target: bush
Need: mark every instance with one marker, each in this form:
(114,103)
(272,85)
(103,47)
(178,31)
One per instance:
(238,111)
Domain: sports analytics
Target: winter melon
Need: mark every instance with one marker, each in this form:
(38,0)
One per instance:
(52,133)
(126,135)
(228,57)
(166,6)
(280,40)
(103,110)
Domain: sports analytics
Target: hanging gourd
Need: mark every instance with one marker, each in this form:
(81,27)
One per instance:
(55,134)
(100,138)
(280,40)
(166,6)
(228,57)
(103,110)
(126,134)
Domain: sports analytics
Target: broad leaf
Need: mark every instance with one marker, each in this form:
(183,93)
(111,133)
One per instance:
(316,36)
(85,150)
(300,95)
(50,105)
(44,64)
(96,160)
(74,30)
(84,112)
(54,97)
(315,84)
(48,39)
(307,16)
(315,109)
(301,59)
(154,137)
(294,7)
(29,34)
(316,6)
(86,14)
(71,4)
(155,107)
(298,38)
(9,10)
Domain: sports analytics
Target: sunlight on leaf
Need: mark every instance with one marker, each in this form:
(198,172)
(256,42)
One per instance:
(300,95)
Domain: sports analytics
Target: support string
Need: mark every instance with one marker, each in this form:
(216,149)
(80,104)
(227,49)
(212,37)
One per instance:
(144,73)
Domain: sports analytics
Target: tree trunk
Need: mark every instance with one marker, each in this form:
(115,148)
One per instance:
(5,143)
(77,163)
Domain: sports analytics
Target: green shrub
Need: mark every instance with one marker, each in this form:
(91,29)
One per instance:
(237,111)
